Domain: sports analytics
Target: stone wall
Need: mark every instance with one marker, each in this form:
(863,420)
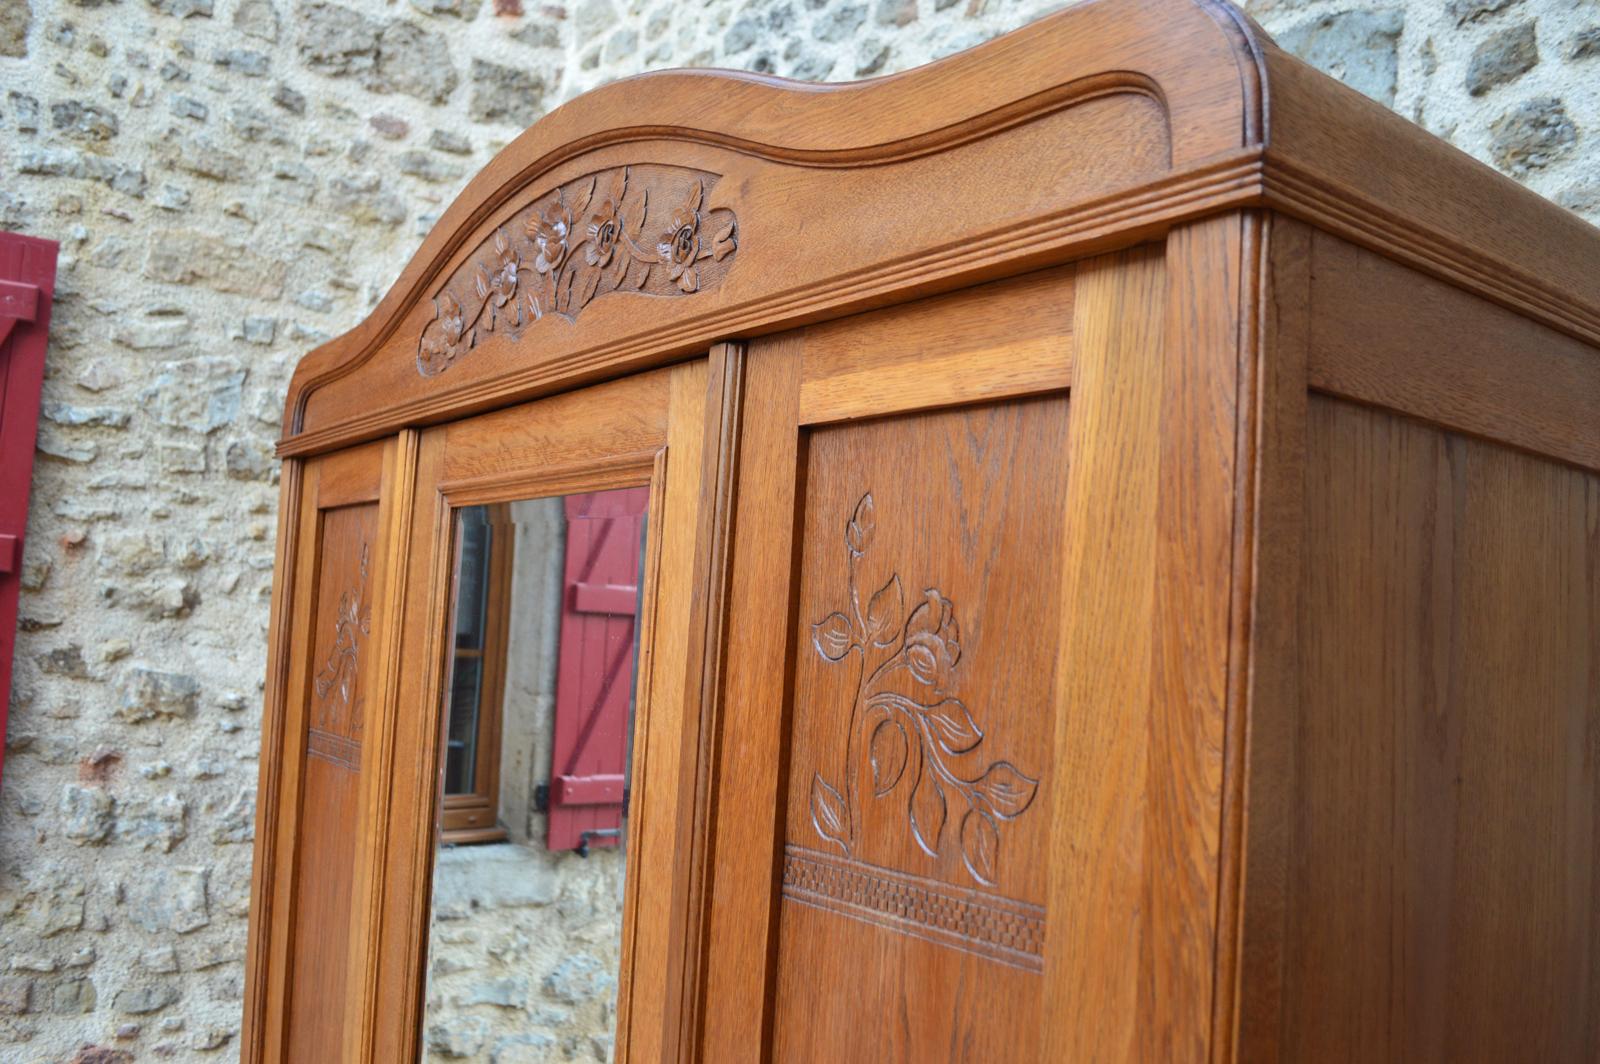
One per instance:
(233,181)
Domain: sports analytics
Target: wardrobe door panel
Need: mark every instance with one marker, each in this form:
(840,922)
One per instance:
(316,717)
(882,809)
(914,834)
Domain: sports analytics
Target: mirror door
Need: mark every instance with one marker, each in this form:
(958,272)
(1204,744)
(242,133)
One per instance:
(523,884)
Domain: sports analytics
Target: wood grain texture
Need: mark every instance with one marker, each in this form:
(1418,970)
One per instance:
(1149,112)
(257,1020)
(315,1005)
(912,925)
(365,1010)
(689,884)
(1351,166)
(660,766)
(1148,579)
(1264,685)
(310,806)
(617,435)
(1156,101)
(1286,625)
(993,341)
(1445,892)
(731,1019)
(1387,335)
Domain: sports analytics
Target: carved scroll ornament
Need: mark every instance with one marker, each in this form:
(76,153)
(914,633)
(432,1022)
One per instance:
(916,729)
(635,229)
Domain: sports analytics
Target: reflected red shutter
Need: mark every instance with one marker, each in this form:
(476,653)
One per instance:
(27,282)
(594,682)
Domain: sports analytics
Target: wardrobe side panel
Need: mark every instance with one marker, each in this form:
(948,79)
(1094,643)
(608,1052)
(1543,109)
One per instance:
(1444,891)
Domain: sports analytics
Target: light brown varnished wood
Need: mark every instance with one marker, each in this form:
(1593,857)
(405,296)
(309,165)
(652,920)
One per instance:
(1259,752)
(1151,502)
(811,971)
(1241,436)
(1383,334)
(336,595)
(1145,112)
(363,1010)
(991,341)
(1444,891)
(1153,102)
(259,966)
(1110,503)
(869,964)
(615,435)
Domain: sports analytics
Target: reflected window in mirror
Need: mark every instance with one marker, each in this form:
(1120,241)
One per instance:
(537,722)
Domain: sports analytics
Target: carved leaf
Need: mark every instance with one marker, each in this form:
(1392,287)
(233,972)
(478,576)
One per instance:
(1007,792)
(832,636)
(951,723)
(863,523)
(980,844)
(591,284)
(581,204)
(928,813)
(887,751)
(724,243)
(828,813)
(884,611)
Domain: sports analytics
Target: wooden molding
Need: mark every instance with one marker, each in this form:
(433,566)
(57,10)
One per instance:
(1144,113)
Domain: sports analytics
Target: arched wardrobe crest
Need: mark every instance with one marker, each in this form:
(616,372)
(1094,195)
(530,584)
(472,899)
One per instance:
(1081,551)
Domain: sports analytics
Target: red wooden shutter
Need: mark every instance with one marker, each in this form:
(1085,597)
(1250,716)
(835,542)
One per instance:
(27,282)
(594,682)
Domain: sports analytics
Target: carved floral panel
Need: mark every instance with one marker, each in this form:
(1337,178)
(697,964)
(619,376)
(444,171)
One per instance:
(908,721)
(635,230)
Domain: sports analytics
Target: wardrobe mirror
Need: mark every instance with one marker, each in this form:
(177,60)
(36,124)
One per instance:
(537,723)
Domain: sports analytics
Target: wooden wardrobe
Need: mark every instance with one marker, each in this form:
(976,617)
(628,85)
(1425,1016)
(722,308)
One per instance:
(1120,579)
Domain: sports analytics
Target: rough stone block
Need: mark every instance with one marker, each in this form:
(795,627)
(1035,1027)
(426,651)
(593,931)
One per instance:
(1360,48)
(491,877)
(149,694)
(192,257)
(87,814)
(73,997)
(506,95)
(158,823)
(459,1037)
(139,999)
(16,994)
(1532,135)
(170,899)
(1505,56)
(579,977)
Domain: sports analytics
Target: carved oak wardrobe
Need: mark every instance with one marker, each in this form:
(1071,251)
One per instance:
(1085,551)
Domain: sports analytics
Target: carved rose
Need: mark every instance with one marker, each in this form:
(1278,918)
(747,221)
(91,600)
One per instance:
(933,641)
(501,281)
(550,230)
(604,228)
(452,321)
(679,245)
